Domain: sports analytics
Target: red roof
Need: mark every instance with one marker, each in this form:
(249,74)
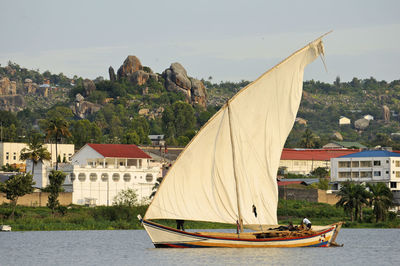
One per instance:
(315,154)
(285,183)
(119,150)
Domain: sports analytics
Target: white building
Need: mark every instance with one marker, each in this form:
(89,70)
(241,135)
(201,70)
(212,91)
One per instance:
(11,151)
(98,172)
(344,121)
(377,166)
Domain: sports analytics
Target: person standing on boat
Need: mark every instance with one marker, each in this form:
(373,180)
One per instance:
(307,223)
(179,225)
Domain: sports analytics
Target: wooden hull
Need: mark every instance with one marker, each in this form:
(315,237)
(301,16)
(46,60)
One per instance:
(166,237)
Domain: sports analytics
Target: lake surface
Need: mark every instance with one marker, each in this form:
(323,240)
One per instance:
(133,247)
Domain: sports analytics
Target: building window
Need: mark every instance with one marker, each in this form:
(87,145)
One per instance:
(344,164)
(14,156)
(72,177)
(365,174)
(366,164)
(7,155)
(121,163)
(82,177)
(387,172)
(393,185)
(377,173)
(355,174)
(149,177)
(104,177)
(387,161)
(377,163)
(115,177)
(397,173)
(69,156)
(397,163)
(93,177)
(355,164)
(127,177)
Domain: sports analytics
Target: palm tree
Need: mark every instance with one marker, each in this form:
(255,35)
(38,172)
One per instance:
(57,128)
(352,198)
(308,139)
(381,199)
(35,151)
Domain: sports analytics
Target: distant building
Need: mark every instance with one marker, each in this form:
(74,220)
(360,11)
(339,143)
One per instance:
(11,151)
(303,161)
(157,140)
(98,172)
(344,121)
(377,166)
(344,145)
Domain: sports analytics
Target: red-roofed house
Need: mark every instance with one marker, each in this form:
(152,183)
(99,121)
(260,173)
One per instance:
(98,172)
(303,161)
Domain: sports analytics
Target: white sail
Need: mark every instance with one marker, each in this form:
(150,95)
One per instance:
(201,184)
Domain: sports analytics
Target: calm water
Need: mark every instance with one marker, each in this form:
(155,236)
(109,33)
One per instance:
(133,247)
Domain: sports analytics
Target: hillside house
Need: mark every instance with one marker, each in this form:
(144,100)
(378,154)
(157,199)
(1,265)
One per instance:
(344,121)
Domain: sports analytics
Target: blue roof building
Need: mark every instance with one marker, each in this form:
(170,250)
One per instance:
(370,166)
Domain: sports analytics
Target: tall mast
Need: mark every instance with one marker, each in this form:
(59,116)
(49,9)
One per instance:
(240,221)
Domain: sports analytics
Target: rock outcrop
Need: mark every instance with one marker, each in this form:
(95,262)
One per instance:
(89,86)
(336,135)
(386,114)
(12,103)
(8,87)
(361,124)
(140,77)
(29,86)
(82,108)
(176,79)
(130,66)
(111,72)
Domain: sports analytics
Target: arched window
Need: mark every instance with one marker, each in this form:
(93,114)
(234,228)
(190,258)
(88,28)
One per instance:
(104,177)
(127,177)
(93,177)
(149,177)
(72,177)
(82,177)
(115,177)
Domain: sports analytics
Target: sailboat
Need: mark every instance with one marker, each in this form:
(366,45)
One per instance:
(227,173)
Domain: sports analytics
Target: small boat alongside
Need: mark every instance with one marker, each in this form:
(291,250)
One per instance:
(5,228)
(227,173)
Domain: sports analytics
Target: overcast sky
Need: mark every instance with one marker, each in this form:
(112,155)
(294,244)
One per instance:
(225,39)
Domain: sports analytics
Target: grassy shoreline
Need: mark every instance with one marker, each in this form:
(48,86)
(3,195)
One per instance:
(119,217)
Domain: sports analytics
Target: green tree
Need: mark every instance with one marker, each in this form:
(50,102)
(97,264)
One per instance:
(127,197)
(320,172)
(352,198)
(308,139)
(132,137)
(381,198)
(17,186)
(57,128)
(56,179)
(35,151)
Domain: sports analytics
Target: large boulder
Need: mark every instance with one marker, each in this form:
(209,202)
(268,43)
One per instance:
(176,79)
(82,108)
(7,87)
(140,77)
(29,86)
(12,103)
(111,72)
(386,113)
(336,135)
(89,86)
(361,124)
(130,66)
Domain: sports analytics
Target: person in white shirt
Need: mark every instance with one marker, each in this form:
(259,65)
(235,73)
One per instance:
(307,223)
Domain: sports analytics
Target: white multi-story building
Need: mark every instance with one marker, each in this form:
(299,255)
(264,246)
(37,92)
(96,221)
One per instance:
(376,166)
(11,151)
(98,172)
